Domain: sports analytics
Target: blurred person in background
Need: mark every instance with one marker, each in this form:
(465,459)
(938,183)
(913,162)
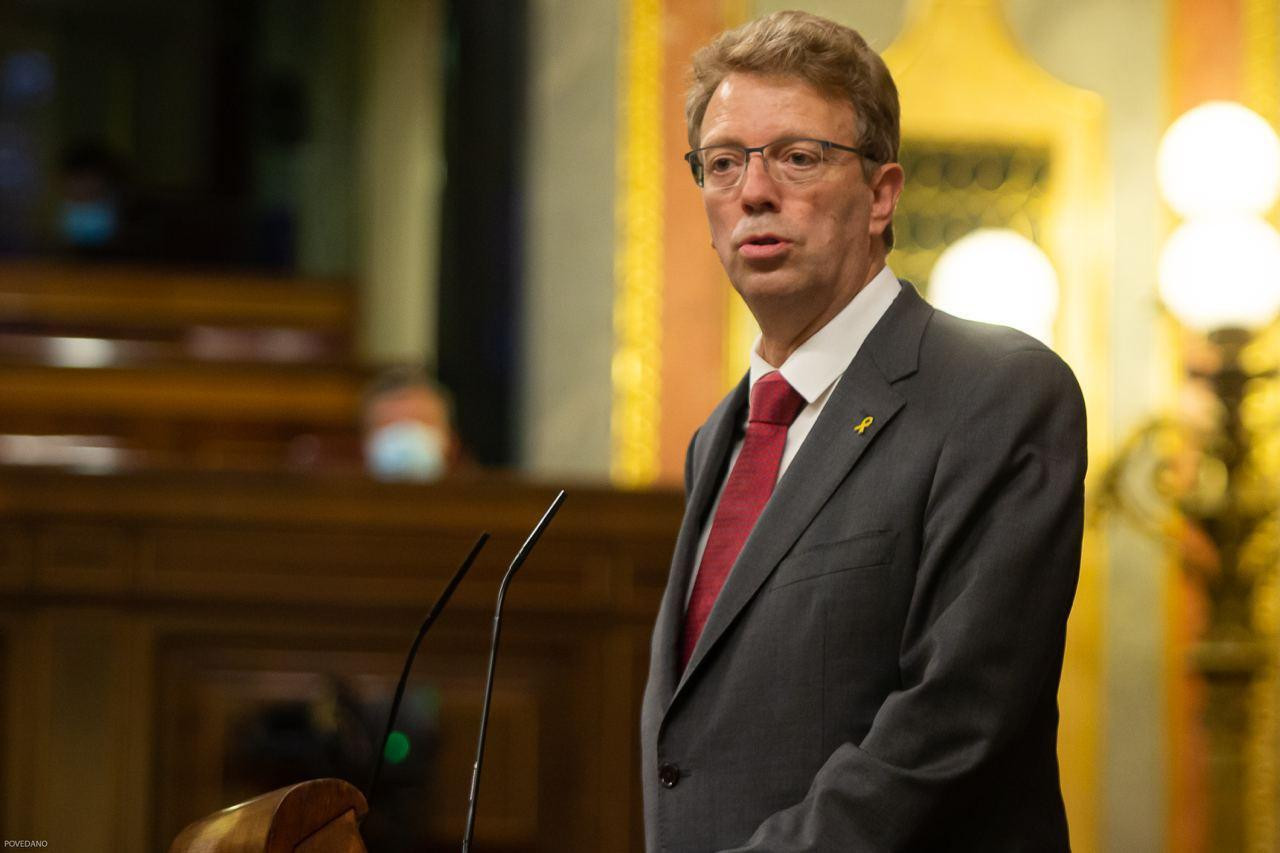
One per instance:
(408,426)
(91,210)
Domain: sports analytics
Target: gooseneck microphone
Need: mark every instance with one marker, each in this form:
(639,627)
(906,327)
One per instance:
(493,660)
(435,612)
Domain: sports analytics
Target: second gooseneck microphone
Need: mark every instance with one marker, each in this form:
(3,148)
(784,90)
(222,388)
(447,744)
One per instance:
(493,660)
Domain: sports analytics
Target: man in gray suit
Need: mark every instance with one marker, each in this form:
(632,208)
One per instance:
(861,638)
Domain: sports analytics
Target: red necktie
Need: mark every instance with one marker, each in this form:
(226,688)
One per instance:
(774,406)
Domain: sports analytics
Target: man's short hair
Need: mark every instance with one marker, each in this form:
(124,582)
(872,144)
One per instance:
(832,58)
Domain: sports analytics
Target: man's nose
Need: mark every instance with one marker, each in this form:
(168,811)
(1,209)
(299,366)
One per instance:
(759,189)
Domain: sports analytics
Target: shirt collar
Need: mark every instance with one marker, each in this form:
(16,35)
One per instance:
(819,361)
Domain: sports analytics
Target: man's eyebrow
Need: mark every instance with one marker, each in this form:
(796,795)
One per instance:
(711,141)
(737,141)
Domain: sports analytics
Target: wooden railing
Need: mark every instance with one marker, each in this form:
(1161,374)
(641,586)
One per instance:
(169,367)
(57,297)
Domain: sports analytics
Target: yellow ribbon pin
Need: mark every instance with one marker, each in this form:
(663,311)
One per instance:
(866,422)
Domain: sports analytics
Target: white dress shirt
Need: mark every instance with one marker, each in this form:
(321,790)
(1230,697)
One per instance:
(813,370)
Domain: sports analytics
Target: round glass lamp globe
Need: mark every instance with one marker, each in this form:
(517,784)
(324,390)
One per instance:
(1222,273)
(995,275)
(1219,158)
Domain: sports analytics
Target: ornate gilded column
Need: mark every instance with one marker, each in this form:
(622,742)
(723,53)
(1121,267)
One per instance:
(637,312)
(1261,84)
(670,293)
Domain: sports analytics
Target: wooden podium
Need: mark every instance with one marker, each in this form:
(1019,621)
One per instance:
(318,816)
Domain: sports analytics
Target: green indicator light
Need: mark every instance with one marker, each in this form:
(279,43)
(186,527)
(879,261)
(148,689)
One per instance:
(397,748)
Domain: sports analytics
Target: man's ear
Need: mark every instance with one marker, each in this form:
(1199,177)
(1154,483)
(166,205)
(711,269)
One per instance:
(886,187)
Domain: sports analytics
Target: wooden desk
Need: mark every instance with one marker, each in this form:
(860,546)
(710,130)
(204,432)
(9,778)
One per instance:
(143,616)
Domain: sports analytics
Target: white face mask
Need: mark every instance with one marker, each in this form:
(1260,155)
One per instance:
(405,450)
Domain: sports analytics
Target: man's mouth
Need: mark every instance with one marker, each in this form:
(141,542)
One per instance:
(763,247)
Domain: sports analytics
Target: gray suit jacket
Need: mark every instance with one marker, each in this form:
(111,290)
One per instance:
(881,667)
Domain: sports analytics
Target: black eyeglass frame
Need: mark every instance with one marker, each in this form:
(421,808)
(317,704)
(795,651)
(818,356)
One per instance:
(747,150)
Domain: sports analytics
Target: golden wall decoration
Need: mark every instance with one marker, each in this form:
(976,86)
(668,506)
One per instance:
(638,256)
(954,188)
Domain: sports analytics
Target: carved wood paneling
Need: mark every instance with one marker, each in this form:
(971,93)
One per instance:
(212,685)
(79,556)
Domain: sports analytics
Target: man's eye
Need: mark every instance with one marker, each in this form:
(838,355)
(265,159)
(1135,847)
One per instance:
(801,158)
(722,163)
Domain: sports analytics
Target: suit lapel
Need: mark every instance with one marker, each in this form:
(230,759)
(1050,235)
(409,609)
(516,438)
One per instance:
(861,405)
(710,454)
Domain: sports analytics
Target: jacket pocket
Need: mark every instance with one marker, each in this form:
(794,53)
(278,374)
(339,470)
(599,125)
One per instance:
(863,550)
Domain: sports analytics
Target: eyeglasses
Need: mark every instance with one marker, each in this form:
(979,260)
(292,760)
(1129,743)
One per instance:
(794,161)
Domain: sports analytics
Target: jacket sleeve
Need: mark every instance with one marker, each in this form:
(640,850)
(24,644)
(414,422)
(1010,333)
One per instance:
(984,636)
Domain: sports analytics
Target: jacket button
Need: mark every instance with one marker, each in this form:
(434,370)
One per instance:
(669,775)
